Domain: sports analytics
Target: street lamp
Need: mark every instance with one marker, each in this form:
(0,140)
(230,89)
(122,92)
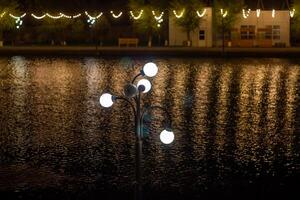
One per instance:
(132,95)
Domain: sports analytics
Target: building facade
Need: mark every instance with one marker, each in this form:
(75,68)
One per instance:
(200,37)
(261,29)
(257,28)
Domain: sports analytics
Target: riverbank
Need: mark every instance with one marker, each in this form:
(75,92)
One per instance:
(145,51)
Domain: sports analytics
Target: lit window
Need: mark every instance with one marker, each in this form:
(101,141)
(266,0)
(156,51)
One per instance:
(273,32)
(247,32)
(202,35)
(276,32)
(268,34)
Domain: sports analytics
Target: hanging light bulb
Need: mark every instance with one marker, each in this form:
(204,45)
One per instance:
(2,14)
(223,14)
(179,15)
(138,16)
(76,16)
(116,16)
(246,14)
(257,13)
(18,19)
(201,14)
(159,16)
(292,12)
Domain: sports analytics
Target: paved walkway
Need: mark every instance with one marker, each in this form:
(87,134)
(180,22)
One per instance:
(145,51)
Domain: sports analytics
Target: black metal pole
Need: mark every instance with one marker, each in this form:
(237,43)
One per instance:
(138,151)
(223,37)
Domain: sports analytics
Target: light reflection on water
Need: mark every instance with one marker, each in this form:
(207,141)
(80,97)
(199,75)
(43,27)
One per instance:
(233,118)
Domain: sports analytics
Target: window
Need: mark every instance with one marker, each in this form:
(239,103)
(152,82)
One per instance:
(268,34)
(202,35)
(273,32)
(247,32)
(276,32)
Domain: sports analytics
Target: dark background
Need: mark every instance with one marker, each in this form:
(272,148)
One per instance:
(120,4)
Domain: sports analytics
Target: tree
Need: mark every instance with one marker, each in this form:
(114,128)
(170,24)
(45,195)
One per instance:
(224,22)
(101,28)
(6,22)
(295,22)
(147,24)
(189,20)
(61,28)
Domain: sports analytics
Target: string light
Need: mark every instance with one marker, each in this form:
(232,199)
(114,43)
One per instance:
(223,14)
(257,13)
(18,19)
(19,23)
(65,16)
(38,17)
(76,16)
(91,17)
(246,14)
(179,15)
(54,17)
(138,16)
(92,20)
(157,17)
(201,14)
(292,13)
(116,16)
(2,15)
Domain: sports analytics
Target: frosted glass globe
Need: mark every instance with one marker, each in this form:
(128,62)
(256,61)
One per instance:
(150,69)
(166,137)
(146,83)
(106,100)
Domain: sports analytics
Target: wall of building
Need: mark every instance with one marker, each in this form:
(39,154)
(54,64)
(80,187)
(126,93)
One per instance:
(177,36)
(281,18)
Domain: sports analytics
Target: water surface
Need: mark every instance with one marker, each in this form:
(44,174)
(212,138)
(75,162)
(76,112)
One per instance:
(236,123)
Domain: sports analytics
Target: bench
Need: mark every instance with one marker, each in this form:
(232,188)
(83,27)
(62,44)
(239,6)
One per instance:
(128,42)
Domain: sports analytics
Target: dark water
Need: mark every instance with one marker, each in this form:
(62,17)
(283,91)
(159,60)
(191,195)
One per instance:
(236,124)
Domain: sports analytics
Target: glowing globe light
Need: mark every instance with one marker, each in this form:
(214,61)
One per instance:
(106,100)
(146,83)
(167,137)
(150,69)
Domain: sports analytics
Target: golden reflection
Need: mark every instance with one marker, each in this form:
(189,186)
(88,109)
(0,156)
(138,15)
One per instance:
(95,82)
(249,127)
(177,91)
(50,112)
(120,111)
(271,137)
(94,74)
(222,107)
(19,87)
(203,84)
(159,83)
(159,94)
(56,82)
(291,103)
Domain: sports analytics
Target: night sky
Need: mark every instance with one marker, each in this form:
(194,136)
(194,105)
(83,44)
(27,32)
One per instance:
(78,5)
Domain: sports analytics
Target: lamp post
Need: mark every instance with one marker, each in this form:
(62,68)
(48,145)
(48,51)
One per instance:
(223,35)
(132,95)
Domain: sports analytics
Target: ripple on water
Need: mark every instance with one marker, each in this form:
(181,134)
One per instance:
(236,124)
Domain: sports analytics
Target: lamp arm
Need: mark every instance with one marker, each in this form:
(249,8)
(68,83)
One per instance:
(169,124)
(129,102)
(133,80)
